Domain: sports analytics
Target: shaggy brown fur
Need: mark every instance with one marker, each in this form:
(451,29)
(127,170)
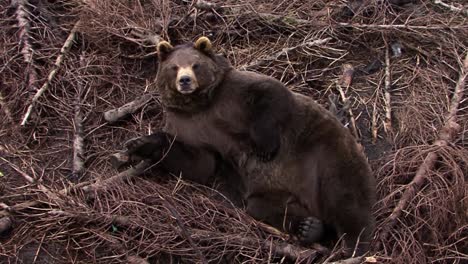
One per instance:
(301,169)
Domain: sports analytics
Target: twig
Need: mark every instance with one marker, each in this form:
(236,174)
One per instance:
(452,8)
(388,103)
(285,51)
(122,176)
(183,229)
(374,126)
(78,142)
(85,186)
(347,261)
(5,108)
(27,51)
(346,80)
(52,196)
(395,26)
(446,135)
(207,6)
(63,51)
(278,248)
(129,108)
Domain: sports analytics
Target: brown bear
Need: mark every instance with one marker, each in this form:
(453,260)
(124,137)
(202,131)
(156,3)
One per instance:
(300,169)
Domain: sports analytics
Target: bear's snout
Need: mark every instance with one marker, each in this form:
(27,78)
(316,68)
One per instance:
(186,81)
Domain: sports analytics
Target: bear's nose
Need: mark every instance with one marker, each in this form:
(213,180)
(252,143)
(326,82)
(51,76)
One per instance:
(185,80)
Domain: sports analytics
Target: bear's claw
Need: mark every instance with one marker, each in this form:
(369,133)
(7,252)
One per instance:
(310,230)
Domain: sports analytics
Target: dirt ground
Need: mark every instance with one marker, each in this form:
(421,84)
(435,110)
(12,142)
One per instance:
(393,72)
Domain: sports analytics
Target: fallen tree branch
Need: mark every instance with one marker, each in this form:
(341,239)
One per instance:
(114,115)
(283,52)
(198,235)
(84,186)
(374,127)
(122,176)
(58,62)
(387,99)
(452,8)
(395,26)
(183,229)
(22,16)
(446,135)
(346,80)
(78,142)
(356,260)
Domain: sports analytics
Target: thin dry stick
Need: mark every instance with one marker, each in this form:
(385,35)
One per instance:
(78,142)
(446,135)
(129,108)
(278,248)
(356,260)
(52,196)
(122,176)
(183,229)
(374,127)
(346,80)
(63,51)
(5,108)
(285,51)
(388,103)
(395,26)
(27,51)
(84,186)
(452,8)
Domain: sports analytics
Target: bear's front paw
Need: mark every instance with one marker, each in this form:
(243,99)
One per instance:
(147,147)
(310,230)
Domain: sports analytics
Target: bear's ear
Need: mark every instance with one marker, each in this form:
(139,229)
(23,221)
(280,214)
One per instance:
(164,48)
(203,44)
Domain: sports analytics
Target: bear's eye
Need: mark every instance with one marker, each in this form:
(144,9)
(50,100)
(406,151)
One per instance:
(174,67)
(196,66)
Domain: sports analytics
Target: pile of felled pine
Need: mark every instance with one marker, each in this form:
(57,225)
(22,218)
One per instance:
(77,80)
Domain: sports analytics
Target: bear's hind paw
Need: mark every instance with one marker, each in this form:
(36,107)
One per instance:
(310,230)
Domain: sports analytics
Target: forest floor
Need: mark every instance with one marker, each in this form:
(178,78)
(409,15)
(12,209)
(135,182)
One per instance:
(393,71)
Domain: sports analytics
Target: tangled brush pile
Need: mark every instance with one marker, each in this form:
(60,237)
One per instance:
(393,71)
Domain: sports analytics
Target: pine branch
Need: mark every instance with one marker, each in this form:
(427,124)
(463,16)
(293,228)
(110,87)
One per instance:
(63,52)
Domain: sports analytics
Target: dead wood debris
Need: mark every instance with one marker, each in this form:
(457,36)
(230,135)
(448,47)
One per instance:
(58,62)
(346,79)
(388,98)
(78,143)
(117,114)
(285,51)
(22,16)
(446,136)
(108,218)
(462,10)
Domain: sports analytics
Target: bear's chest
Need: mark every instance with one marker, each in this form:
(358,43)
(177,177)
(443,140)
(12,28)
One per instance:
(222,127)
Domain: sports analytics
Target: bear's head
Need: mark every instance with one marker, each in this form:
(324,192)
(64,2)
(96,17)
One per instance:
(189,74)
